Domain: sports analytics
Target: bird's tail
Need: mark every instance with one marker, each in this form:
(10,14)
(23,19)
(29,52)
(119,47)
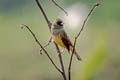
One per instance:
(77,56)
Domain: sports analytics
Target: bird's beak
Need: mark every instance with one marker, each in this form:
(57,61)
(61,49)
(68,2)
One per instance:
(62,23)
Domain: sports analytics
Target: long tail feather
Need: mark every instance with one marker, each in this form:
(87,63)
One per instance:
(76,54)
(78,57)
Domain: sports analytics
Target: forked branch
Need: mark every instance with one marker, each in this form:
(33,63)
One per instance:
(50,40)
(57,48)
(70,64)
(37,41)
(59,7)
(62,71)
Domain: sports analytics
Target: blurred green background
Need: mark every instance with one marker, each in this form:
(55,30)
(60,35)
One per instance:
(99,44)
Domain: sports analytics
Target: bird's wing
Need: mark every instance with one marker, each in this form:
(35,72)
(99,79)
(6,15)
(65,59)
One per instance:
(65,39)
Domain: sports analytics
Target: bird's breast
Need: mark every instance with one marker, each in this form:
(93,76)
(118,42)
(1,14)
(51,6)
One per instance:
(57,39)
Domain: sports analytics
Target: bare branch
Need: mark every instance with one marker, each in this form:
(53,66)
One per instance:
(37,41)
(59,7)
(61,61)
(57,48)
(45,16)
(69,68)
(46,45)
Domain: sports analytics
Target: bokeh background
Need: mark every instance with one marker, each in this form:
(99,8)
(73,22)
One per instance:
(99,44)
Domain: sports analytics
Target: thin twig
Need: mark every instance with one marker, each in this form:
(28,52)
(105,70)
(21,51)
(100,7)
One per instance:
(61,61)
(46,45)
(37,41)
(69,68)
(59,7)
(45,16)
(57,48)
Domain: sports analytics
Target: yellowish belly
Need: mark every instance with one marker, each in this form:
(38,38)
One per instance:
(58,40)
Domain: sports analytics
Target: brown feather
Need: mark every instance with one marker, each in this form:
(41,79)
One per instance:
(66,40)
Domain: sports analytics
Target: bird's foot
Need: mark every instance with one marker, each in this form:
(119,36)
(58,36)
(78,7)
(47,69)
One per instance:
(61,52)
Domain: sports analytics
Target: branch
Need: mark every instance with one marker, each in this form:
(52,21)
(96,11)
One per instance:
(61,61)
(59,7)
(69,68)
(57,48)
(37,41)
(46,44)
(45,16)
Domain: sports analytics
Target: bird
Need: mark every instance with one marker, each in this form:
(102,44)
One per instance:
(59,36)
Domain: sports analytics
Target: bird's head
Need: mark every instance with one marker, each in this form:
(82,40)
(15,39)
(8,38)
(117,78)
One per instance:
(58,23)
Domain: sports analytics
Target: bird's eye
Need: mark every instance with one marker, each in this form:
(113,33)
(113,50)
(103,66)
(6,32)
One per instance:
(60,23)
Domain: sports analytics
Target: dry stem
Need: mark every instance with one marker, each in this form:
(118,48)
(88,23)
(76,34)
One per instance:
(57,48)
(62,71)
(37,41)
(69,68)
(46,45)
(59,7)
